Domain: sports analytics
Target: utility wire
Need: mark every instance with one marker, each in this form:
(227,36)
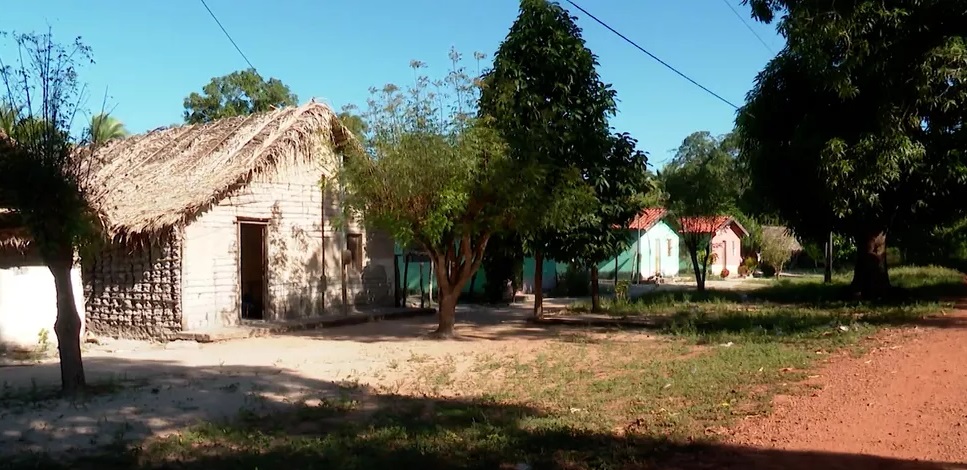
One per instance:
(653,56)
(229,36)
(747,25)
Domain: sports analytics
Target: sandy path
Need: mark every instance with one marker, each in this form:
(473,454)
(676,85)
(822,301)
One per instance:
(905,401)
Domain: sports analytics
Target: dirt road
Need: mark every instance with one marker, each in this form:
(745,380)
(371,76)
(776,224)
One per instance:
(901,406)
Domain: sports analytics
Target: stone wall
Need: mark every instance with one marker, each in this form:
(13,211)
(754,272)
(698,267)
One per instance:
(134,291)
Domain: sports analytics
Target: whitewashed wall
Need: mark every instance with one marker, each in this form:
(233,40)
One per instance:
(28,305)
(305,242)
(292,203)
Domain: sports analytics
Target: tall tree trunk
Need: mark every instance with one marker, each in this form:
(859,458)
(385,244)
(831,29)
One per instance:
(68,325)
(870,276)
(446,314)
(538,284)
(596,291)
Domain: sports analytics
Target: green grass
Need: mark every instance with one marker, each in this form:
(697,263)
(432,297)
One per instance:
(585,399)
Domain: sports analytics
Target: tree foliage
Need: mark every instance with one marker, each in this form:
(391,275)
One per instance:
(552,108)
(105,127)
(700,183)
(862,116)
(434,174)
(777,249)
(239,93)
(44,171)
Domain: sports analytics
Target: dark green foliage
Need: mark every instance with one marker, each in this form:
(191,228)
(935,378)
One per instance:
(552,109)
(237,94)
(862,116)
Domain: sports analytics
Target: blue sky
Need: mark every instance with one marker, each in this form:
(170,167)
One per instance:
(151,54)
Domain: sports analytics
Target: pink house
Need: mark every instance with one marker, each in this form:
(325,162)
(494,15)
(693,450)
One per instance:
(727,236)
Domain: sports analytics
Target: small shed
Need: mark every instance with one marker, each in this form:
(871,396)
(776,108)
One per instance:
(656,247)
(727,234)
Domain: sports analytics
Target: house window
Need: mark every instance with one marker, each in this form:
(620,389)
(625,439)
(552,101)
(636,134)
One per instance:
(669,243)
(354,243)
(733,247)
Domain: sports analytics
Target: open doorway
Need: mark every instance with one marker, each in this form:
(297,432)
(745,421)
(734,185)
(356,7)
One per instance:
(251,269)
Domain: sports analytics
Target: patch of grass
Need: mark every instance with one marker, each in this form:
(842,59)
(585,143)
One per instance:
(583,400)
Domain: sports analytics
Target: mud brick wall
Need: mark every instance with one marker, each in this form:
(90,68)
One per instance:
(134,291)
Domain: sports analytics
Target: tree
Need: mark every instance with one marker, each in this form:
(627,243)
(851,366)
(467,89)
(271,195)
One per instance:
(44,173)
(777,249)
(621,186)
(551,107)
(862,115)
(700,184)
(104,127)
(237,94)
(432,173)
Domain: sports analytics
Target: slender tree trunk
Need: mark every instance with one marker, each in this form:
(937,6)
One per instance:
(68,325)
(446,314)
(473,285)
(699,277)
(538,284)
(870,276)
(596,290)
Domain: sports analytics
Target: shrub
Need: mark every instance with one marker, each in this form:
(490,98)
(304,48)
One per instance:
(621,291)
(776,250)
(725,273)
(576,282)
(743,271)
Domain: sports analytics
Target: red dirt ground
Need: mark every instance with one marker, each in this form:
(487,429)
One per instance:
(901,406)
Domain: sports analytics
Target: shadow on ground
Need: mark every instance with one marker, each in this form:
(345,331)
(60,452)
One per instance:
(406,432)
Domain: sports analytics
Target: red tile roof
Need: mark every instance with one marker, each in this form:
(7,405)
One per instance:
(647,218)
(709,224)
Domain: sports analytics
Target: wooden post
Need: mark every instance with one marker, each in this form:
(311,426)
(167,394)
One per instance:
(396,280)
(538,284)
(406,277)
(422,288)
(828,270)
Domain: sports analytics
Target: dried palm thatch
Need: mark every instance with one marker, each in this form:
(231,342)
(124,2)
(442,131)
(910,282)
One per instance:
(151,182)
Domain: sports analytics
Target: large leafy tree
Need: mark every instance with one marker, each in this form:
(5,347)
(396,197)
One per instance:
(105,127)
(432,174)
(621,188)
(857,126)
(44,172)
(700,184)
(552,108)
(237,94)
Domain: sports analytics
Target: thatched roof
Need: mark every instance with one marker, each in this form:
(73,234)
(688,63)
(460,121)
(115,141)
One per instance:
(153,181)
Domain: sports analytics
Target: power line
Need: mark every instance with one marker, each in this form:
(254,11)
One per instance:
(229,36)
(747,25)
(653,56)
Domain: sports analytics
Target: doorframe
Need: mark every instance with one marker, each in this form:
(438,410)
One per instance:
(266,301)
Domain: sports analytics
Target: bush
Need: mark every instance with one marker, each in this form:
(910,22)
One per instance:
(621,291)
(776,250)
(576,282)
(725,273)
